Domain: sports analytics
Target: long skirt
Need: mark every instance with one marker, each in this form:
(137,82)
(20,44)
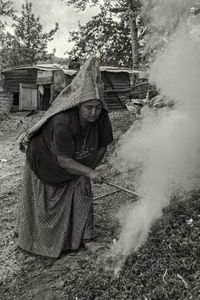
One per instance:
(52,219)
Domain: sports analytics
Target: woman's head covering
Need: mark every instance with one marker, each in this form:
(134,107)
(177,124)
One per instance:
(87,85)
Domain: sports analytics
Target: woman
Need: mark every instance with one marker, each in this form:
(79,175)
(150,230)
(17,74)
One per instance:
(62,150)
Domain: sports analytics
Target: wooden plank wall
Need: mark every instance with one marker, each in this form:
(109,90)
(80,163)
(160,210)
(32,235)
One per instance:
(112,81)
(116,81)
(15,77)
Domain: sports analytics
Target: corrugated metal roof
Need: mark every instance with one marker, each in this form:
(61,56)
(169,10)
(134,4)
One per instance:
(56,67)
(118,70)
(51,66)
(44,67)
(71,72)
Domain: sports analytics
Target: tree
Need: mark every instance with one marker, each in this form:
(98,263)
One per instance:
(126,27)
(104,36)
(6,10)
(28,44)
(131,9)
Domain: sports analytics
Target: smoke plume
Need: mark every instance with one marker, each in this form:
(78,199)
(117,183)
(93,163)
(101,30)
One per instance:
(165,143)
(162,18)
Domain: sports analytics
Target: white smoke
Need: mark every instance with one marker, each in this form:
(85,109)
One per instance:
(167,143)
(162,18)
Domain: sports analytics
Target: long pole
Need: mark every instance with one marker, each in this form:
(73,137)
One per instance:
(121,188)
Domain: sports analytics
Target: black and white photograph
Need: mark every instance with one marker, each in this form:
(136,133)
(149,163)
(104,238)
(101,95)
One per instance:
(99,149)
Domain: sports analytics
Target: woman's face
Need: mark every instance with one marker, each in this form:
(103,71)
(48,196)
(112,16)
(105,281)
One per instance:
(89,111)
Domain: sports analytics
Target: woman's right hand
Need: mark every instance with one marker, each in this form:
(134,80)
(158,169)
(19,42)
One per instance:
(96,177)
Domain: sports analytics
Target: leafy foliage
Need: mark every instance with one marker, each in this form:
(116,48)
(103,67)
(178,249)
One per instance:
(151,25)
(6,10)
(117,5)
(28,44)
(80,4)
(112,34)
(109,39)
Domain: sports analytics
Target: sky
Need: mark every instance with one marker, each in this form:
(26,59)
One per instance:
(52,11)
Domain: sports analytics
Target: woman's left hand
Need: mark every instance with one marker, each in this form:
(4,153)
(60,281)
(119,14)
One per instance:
(85,184)
(96,177)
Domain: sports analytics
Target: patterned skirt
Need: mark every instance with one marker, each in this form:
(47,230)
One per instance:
(52,219)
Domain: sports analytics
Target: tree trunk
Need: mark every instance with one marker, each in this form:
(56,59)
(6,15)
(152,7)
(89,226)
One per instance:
(132,6)
(134,43)
(134,33)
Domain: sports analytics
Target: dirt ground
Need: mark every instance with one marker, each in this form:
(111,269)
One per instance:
(166,267)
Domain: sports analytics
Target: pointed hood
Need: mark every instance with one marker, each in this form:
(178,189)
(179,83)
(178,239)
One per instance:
(86,85)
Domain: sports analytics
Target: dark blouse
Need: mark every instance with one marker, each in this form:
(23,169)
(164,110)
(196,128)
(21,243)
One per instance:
(63,135)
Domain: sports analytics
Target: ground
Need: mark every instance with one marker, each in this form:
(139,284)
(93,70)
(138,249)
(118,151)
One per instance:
(166,267)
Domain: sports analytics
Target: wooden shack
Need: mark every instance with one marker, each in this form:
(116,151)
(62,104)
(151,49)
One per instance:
(118,83)
(35,87)
(18,79)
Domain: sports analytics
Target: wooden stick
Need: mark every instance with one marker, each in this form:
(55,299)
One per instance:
(106,194)
(121,188)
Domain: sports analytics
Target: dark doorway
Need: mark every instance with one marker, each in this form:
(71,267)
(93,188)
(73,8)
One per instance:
(16,99)
(15,103)
(46,97)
